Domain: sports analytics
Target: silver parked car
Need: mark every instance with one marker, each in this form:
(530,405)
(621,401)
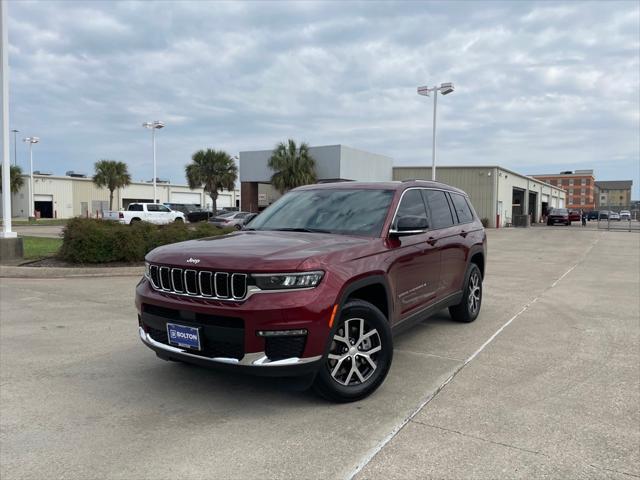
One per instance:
(230,219)
(625,215)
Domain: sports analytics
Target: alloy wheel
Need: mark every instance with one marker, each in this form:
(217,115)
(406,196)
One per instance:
(354,351)
(474,293)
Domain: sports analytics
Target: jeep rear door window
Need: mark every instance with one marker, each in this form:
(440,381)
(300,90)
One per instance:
(462,208)
(340,210)
(439,208)
(412,206)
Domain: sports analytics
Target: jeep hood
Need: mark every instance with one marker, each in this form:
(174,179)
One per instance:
(255,251)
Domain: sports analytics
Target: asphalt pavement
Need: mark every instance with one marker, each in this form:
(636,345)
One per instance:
(546,382)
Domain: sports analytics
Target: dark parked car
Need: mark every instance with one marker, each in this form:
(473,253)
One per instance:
(592,215)
(603,215)
(574,216)
(317,284)
(558,215)
(193,213)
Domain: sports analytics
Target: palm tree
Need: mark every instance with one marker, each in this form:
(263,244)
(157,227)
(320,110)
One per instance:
(111,174)
(292,166)
(16,181)
(213,170)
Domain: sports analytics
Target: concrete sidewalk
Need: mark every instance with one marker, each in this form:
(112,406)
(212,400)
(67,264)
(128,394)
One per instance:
(556,394)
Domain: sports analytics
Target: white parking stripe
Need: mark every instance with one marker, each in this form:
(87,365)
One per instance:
(401,425)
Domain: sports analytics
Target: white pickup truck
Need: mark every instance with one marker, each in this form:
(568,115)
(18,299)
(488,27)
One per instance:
(145,212)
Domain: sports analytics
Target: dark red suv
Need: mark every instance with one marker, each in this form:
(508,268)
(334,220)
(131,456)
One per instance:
(317,284)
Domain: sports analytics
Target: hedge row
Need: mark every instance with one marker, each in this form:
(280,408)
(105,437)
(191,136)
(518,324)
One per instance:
(87,240)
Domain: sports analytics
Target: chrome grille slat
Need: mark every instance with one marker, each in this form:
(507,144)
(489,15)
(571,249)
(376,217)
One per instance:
(165,285)
(224,280)
(154,275)
(191,276)
(241,279)
(204,282)
(199,283)
(177,272)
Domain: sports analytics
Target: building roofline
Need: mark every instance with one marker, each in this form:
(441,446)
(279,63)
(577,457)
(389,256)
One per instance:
(89,179)
(498,167)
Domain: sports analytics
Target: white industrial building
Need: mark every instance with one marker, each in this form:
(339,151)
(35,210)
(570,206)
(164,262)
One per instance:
(72,196)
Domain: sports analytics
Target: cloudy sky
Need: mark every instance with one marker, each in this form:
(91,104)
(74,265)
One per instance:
(540,87)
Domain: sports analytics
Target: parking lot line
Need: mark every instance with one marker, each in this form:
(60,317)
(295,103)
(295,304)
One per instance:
(371,454)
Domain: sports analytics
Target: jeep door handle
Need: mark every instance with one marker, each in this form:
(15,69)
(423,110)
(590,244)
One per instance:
(432,241)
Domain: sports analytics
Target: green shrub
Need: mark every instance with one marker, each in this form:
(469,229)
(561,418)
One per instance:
(485,222)
(87,240)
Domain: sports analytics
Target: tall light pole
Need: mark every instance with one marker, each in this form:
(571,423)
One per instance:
(153,126)
(4,126)
(444,89)
(31,141)
(15,149)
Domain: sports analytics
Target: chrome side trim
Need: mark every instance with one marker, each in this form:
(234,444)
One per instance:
(254,359)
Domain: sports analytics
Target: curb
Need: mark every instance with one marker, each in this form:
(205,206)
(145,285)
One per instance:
(7,271)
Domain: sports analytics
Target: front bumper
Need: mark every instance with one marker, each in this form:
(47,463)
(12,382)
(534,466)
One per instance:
(256,363)
(230,328)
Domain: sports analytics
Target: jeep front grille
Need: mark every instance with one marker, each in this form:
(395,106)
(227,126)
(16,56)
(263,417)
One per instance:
(199,283)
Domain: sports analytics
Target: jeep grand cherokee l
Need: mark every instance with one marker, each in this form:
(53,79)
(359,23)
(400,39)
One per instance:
(317,284)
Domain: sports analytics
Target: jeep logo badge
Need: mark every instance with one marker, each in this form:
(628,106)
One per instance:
(195,261)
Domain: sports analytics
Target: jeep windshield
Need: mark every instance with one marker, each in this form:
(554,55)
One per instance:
(341,210)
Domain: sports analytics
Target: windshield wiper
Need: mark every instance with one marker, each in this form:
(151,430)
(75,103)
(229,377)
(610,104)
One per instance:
(308,230)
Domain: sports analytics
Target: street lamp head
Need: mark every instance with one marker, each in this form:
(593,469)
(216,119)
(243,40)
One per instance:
(423,91)
(15,131)
(446,88)
(31,139)
(155,124)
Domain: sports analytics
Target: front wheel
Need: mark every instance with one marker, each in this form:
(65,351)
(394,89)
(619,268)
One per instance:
(179,220)
(469,307)
(359,356)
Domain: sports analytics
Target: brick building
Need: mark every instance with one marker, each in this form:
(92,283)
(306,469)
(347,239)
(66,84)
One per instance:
(579,185)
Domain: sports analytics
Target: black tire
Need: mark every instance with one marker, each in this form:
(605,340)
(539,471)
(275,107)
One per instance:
(134,221)
(568,224)
(333,382)
(238,227)
(179,220)
(467,310)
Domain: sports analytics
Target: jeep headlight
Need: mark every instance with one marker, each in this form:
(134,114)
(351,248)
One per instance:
(147,272)
(285,281)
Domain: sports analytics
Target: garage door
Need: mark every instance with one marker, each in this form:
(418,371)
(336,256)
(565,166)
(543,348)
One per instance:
(223,201)
(186,197)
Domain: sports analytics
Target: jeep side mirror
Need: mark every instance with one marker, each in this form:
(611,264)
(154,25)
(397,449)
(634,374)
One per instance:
(409,225)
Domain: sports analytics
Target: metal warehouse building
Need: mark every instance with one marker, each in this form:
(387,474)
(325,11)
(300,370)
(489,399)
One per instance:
(71,196)
(497,193)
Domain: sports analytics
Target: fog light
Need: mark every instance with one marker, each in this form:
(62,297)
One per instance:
(282,333)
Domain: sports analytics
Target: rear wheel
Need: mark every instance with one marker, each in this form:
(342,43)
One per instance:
(469,307)
(359,356)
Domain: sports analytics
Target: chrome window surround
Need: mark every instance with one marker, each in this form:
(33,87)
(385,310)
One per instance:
(395,213)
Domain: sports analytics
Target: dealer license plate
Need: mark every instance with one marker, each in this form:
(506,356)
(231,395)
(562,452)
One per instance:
(183,336)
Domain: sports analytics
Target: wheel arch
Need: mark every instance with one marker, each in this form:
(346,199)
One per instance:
(373,289)
(477,256)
